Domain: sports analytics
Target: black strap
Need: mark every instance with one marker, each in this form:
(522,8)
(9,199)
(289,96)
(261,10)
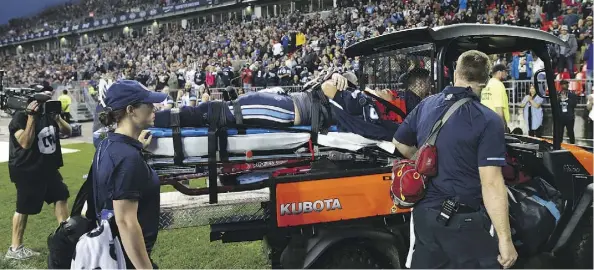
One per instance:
(320,113)
(217,143)
(178,149)
(238,118)
(85,194)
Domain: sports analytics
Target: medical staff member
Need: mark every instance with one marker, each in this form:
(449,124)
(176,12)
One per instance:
(123,182)
(494,95)
(471,149)
(66,101)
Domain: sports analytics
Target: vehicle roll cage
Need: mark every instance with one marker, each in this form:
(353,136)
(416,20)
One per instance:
(450,41)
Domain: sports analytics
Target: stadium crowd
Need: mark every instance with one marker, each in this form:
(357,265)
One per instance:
(289,48)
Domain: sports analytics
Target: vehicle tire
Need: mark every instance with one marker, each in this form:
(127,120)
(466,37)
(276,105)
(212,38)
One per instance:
(351,256)
(578,252)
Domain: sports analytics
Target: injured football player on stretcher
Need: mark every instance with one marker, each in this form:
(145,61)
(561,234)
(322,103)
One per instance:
(349,109)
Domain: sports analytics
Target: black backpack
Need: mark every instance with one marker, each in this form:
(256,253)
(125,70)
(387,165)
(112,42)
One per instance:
(62,242)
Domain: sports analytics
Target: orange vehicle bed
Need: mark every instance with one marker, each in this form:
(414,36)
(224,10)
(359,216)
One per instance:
(333,196)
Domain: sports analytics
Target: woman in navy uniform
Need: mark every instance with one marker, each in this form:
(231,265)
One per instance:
(124,185)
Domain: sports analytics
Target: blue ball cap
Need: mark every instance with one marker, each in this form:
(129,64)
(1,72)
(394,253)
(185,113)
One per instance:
(127,92)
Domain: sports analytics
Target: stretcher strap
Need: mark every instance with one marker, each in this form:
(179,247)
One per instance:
(238,118)
(320,113)
(178,150)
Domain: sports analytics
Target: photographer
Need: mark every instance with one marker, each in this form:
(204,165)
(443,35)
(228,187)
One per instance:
(35,156)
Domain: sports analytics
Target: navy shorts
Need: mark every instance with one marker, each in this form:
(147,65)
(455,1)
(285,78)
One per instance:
(34,188)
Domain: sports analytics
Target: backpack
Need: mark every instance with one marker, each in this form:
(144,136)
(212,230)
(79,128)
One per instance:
(99,249)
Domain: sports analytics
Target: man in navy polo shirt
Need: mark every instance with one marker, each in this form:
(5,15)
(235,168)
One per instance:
(471,152)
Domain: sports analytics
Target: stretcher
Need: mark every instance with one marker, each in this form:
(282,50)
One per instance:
(243,159)
(195,141)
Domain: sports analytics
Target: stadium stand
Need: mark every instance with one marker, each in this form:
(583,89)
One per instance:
(259,51)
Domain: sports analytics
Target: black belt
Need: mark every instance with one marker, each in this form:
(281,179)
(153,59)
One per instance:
(462,209)
(178,149)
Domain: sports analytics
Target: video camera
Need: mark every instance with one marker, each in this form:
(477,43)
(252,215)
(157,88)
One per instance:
(17,99)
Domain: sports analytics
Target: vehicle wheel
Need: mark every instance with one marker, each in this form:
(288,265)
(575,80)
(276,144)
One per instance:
(578,252)
(351,256)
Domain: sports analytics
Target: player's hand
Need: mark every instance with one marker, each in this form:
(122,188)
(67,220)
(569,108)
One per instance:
(32,107)
(339,81)
(57,117)
(507,254)
(144,139)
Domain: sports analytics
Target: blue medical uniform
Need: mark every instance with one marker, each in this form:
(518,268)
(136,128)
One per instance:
(120,173)
(472,137)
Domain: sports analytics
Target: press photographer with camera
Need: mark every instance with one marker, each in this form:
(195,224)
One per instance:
(35,156)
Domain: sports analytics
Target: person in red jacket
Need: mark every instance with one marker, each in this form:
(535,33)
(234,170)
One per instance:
(246,78)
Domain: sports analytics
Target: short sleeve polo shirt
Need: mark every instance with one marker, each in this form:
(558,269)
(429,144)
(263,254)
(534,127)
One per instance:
(472,137)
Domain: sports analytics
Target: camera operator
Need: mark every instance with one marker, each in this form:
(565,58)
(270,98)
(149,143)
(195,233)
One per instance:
(35,156)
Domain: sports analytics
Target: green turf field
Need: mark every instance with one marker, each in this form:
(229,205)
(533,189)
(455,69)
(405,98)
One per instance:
(178,248)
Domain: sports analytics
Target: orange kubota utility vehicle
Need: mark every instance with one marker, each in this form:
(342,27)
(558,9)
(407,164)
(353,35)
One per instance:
(326,210)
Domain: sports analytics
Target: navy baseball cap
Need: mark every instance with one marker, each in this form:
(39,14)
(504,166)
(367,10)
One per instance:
(127,92)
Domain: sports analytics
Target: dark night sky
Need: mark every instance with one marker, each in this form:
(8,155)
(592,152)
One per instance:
(19,8)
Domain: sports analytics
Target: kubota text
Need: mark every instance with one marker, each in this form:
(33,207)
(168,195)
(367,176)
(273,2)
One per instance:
(308,207)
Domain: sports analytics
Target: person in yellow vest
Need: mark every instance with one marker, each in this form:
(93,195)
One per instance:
(66,101)
(494,95)
(92,92)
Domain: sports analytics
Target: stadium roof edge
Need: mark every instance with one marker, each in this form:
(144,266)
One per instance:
(519,38)
(131,18)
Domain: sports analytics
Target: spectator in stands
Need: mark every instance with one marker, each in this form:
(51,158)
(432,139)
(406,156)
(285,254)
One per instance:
(533,112)
(567,54)
(187,97)
(571,18)
(588,59)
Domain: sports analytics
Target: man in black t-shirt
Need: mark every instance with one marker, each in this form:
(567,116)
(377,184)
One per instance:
(34,159)
(284,75)
(226,75)
(568,103)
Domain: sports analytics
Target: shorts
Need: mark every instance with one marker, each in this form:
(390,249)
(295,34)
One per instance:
(33,191)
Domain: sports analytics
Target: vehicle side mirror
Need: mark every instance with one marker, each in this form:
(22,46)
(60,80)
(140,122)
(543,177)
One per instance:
(540,83)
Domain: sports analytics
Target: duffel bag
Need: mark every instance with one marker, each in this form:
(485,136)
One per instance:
(532,218)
